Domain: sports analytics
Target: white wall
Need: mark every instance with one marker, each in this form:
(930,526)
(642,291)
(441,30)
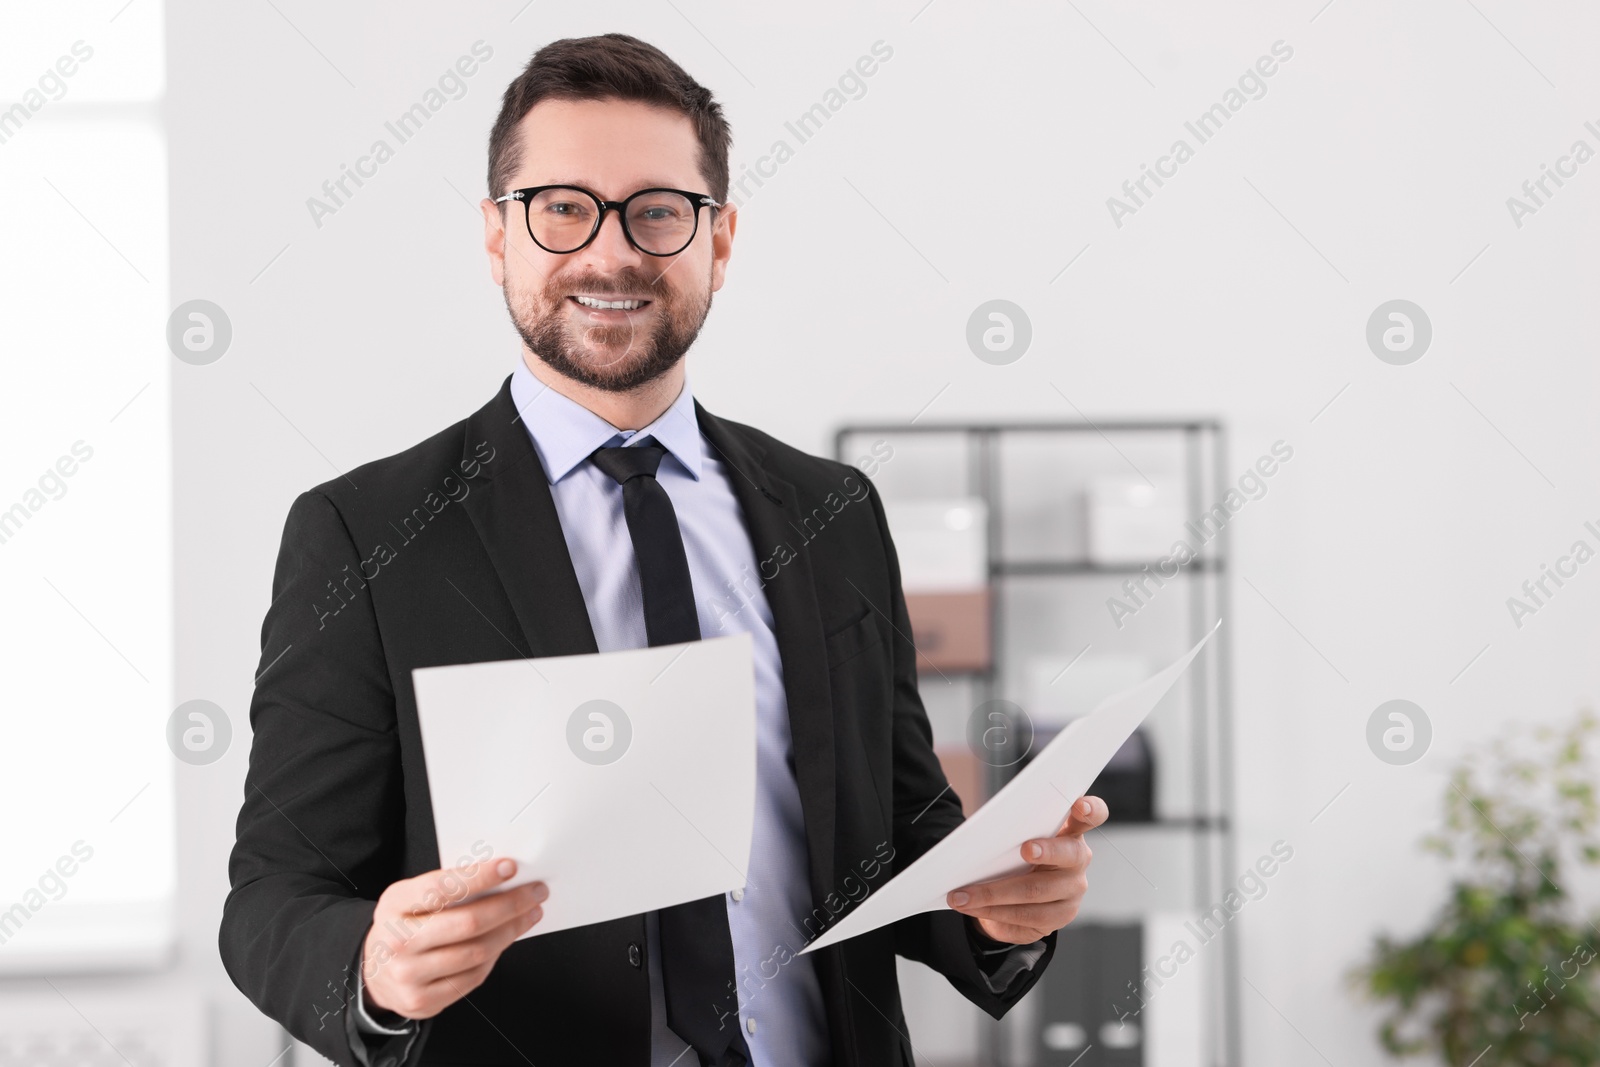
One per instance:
(1376,166)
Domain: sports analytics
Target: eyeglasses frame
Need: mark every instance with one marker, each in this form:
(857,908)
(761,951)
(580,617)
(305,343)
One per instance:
(696,200)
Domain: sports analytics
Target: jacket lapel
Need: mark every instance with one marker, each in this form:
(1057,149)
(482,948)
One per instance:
(769,504)
(516,519)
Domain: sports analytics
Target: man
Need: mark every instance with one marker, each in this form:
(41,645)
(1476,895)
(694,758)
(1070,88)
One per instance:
(593,505)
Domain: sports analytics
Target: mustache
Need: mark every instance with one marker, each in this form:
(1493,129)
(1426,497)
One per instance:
(628,285)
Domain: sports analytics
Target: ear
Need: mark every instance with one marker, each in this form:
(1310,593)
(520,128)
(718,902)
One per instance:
(722,243)
(494,240)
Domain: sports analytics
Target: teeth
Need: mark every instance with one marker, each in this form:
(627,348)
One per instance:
(609,305)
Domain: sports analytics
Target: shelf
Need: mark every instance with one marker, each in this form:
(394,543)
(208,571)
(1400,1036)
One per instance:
(1195,823)
(1045,567)
(992,428)
(975,460)
(976,673)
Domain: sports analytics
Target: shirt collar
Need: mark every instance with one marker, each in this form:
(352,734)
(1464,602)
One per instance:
(565,433)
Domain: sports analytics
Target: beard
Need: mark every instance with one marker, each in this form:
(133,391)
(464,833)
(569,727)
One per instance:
(615,358)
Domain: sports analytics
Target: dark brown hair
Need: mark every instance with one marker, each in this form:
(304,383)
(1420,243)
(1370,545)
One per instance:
(612,66)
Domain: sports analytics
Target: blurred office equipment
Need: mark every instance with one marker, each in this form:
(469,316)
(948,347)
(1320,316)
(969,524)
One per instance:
(1086,1021)
(942,548)
(1128,783)
(1059,690)
(1125,1002)
(1084,592)
(1132,520)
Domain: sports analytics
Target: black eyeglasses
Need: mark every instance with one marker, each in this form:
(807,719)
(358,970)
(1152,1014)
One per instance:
(565,218)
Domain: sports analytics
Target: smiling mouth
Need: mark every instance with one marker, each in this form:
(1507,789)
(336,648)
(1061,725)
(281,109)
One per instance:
(590,303)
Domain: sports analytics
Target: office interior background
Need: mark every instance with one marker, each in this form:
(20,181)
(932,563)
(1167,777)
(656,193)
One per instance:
(1354,313)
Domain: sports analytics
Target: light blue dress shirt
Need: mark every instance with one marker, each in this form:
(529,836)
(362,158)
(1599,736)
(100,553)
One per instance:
(780,1005)
(780,1001)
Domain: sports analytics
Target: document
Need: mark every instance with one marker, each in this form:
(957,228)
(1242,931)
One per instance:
(625,781)
(1033,804)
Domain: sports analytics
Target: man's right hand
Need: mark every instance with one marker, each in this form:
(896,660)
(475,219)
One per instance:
(425,950)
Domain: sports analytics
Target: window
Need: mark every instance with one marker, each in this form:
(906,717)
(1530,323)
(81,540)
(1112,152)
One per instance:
(86,778)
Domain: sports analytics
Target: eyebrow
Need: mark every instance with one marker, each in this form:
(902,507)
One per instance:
(648,183)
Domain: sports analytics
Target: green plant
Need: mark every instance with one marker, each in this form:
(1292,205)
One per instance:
(1504,974)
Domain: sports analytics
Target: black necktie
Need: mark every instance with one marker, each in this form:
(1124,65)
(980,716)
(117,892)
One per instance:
(696,947)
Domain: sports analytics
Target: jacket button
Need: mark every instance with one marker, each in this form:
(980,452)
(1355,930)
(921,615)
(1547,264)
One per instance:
(634,955)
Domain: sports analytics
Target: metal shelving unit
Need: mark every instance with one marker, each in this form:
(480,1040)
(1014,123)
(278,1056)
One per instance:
(1199,464)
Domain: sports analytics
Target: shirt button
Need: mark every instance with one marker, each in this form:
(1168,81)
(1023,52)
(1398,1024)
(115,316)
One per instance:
(738,895)
(750,1024)
(634,956)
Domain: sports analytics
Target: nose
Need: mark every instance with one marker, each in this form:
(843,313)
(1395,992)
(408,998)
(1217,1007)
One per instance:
(611,248)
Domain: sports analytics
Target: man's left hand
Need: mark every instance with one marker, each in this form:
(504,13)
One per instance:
(1025,907)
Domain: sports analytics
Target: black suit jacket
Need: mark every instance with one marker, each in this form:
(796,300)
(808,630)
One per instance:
(452,552)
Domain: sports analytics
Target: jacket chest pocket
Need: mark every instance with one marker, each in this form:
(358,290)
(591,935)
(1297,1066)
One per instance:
(852,639)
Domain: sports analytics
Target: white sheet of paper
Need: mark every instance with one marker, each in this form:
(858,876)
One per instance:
(667,822)
(1033,804)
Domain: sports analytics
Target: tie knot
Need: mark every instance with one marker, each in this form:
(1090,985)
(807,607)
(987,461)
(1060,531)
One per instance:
(626,462)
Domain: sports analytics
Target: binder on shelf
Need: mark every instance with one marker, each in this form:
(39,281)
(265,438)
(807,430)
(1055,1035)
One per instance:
(1084,1019)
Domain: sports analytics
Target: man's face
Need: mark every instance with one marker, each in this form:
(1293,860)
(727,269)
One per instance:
(613,149)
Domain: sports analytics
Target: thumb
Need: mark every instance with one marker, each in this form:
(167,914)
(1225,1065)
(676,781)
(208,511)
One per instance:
(440,889)
(1086,814)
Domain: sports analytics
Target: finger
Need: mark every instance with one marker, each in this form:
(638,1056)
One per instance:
(427,1001)
(463,956)
(449,990)
(1016,935)
(439,889)
(1070,851)
(1052,916)
(1086,814)
(1035,887)
(467,921)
